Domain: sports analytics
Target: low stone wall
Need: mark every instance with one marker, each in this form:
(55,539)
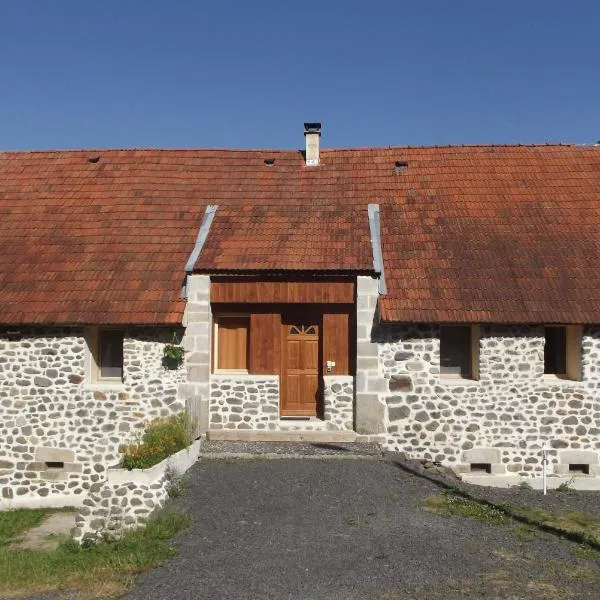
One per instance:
(512,408)
(339,402)
(244,401)
(50,411)
(252,402)
(128,498)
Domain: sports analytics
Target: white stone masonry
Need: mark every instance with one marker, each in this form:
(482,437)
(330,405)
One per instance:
(512,408)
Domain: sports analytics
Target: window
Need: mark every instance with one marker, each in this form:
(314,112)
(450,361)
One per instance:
(110,354)
(231,343)
(459,351)
(105,356)
(562,351)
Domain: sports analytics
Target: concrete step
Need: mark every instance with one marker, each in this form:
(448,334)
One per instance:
(248,435)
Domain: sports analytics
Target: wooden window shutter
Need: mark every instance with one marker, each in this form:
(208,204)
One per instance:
(265,343)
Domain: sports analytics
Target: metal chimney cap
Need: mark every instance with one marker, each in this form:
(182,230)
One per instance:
(314,127)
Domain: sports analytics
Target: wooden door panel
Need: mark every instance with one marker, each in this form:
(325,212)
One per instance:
(294,355)
(300,369)
(294,392)
(310,355)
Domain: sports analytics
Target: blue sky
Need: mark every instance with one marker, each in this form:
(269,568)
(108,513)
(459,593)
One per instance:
(125,73)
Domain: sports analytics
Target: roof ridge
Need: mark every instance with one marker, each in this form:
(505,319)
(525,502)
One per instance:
(293,150)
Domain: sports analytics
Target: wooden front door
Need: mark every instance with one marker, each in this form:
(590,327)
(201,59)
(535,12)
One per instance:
(300,376)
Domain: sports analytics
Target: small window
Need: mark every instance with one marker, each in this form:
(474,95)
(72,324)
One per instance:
(110,354)
(555,351)
(459,352)
(231,343)
(562,351)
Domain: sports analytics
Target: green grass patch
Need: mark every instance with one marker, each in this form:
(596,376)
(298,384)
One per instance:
(584,551)
(104,570)
(14,523)
(584,525)
(450,504)
(526,533)
(161,438)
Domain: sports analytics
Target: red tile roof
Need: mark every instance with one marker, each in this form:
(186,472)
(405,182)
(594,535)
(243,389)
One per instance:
(290,237)
(495,234)
(490,233)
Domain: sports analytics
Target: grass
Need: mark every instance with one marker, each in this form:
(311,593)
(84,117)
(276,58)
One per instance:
(581,527)
(104,570)
(13,523)
(523,485)
(450,504)
(584,526)
(583,551)
(526,533)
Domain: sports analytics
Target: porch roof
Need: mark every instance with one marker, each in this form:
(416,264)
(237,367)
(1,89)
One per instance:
(292,237)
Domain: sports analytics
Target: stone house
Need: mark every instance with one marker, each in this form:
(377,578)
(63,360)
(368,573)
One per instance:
(440,300)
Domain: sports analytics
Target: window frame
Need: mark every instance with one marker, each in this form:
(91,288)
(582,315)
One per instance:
(216,369)
(474,338)
(573,353)
(94,338)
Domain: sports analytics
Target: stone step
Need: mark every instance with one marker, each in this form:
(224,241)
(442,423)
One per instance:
(248,435)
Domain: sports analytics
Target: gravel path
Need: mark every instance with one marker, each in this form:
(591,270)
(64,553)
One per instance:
(351,530)
(340,450)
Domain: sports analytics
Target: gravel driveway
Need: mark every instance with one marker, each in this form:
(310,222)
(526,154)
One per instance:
(348,529)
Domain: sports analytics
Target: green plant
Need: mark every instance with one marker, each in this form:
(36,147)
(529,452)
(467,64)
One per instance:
(161,438)
(566,487)
(177,483)
(173,353)
(523,485)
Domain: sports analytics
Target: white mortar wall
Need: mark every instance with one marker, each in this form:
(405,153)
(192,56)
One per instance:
(512,408)
(46,403)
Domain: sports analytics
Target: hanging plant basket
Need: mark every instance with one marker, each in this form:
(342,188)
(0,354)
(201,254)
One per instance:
(173,353)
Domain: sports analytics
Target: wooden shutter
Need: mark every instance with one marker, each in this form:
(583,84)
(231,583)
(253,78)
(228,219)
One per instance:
(232,343)
(336,343)
(265,343)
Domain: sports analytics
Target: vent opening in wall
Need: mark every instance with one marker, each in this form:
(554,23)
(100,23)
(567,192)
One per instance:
(579,469)
(53,464)
(481,468)
(400,166)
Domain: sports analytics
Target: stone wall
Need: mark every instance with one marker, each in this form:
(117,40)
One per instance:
(512,408)
(252,402)
(244,401)
(339,402)
(126,499)
(50,412)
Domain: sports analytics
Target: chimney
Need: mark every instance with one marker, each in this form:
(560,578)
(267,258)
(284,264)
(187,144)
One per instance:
(312,133)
